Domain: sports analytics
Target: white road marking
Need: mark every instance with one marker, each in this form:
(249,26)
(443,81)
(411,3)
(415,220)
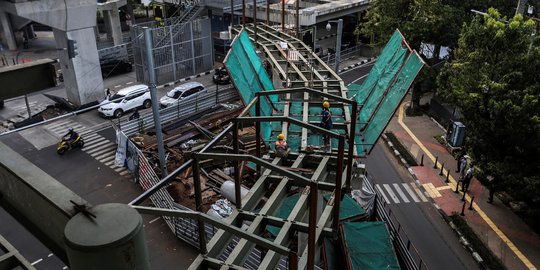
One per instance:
(411,192)
(129,82)
(401,194)
(391,193)
(153,220)
(420,194)
(359,79)
(106,148)
(378,187)
(116,86)
(37,261)
(50,255)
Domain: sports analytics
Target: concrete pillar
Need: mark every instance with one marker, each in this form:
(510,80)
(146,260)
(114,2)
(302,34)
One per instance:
(107,24)
(82,74)
(114,21)
(9,36)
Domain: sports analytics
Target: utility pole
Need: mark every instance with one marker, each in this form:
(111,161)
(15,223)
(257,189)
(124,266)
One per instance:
(153,96)
(298,19)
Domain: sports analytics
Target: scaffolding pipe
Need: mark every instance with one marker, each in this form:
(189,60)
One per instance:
(258,134)
(339,176)
(313,193)
(237,181)
(198,205)
(351,145)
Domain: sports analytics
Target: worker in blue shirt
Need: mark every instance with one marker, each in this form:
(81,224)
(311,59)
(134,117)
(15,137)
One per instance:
(326,122)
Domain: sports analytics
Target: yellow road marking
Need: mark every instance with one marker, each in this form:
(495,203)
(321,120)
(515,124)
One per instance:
(431,190)
(481,213)
(444,187)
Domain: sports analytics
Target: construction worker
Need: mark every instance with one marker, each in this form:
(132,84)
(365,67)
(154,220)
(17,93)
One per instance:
(326,123)
(282,149)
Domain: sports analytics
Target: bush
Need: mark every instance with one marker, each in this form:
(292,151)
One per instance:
(401,149)
(491,261)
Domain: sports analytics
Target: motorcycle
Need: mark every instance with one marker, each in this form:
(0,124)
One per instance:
(221,76)
(64,145)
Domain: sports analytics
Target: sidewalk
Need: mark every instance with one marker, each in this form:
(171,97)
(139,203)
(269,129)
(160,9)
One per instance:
(509,238)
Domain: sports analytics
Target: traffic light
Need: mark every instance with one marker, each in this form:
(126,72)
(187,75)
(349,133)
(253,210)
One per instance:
(72,48)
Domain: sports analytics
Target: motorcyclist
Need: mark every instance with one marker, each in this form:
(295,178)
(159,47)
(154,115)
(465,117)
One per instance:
(73,135)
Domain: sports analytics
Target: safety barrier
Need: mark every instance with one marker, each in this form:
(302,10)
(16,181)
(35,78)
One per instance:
(402,243)
(179,111)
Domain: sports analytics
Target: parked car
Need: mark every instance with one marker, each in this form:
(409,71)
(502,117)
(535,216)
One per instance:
(221,76)
(185,91)
(115,67)
(126,99)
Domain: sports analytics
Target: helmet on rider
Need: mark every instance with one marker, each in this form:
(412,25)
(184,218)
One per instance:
(70,130)
(281,137)
(326,104)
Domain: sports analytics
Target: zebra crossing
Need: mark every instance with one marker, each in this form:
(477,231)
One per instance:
(95,145)
(401,193)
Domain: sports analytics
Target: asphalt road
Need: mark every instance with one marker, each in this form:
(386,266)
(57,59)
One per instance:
(437,245)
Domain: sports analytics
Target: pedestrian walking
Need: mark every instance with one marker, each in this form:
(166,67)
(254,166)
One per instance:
(135,115)
(463,167)
(467,179)
(108,93)
(461,155)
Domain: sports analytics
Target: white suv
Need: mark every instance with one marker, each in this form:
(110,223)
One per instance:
(185,91)
(126,99)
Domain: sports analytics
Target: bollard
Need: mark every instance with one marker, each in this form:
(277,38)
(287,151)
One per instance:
(463,209)
(464,193)
(447,175)
(470,206)
(436,160)
(442,167)
(422,160)
(457,187)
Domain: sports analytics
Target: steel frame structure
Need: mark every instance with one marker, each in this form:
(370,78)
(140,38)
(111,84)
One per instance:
(319,224)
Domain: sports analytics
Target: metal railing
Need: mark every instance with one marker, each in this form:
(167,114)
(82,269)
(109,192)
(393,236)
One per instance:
(179,111)
(408,254)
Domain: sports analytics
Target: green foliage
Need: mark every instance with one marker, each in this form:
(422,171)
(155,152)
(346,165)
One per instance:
(494,80)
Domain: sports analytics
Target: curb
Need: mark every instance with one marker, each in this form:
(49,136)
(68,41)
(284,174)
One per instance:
(185,79)
(464,242)
(400,158)
(371,59)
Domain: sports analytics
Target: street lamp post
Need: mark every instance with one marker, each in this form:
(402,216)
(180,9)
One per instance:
(338,40)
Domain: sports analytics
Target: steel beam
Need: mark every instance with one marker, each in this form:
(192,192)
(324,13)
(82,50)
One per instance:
(217,223)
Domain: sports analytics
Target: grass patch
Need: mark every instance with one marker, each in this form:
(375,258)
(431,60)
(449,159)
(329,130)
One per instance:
(401,149)
(490,260)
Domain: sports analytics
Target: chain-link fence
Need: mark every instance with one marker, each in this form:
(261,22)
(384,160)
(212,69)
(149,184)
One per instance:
(179,50)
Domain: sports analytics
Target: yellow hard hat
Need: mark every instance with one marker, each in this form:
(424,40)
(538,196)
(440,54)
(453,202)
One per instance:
(281,137)
(326,104)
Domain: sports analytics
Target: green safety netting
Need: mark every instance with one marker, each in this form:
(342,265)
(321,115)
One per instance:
(250,77)
(382,91)
(368,246)
(349,209)
(283,212)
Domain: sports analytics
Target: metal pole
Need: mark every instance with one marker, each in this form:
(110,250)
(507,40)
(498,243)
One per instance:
(298,19)
(192,42)
(293,260)
(237,182)
(27,106)
(463,209)
(436,160)
(338,43)
(232,14)
(255,21)
(313,193)
(442,167)
(198,205)
(283,15)
(351,145)
(267,12)
(258,133)
(339,175)
(244,12)
(172,52)
(153,96)
(470,206)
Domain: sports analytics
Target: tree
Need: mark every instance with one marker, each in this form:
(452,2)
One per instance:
(493,81)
